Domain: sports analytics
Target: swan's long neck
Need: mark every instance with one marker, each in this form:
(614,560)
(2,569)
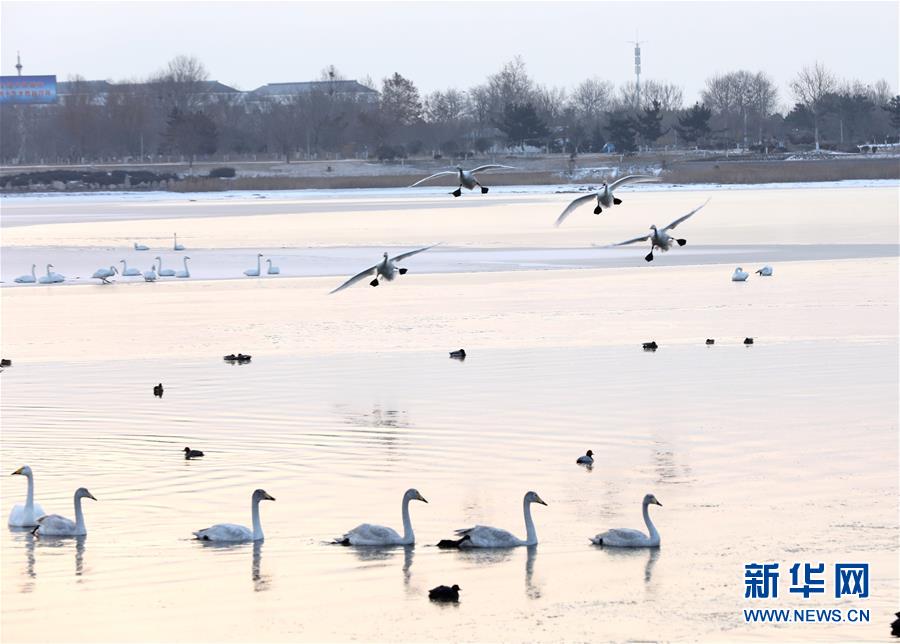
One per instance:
(257,527)
(29,499)
(48,269)
(160,264)
(185,264)
(79,515)
(258,263)
(530,532)
(408,535)
(654,535)
(33,266)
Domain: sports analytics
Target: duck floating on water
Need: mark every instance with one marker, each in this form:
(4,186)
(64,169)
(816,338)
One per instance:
(650,346)
(158,390)
(444,593)
(587,459)
(710,341)
(459,354)
(240,357)
(748,341)
(192,453)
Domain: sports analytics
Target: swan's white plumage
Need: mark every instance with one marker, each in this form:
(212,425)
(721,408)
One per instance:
(272,270)
(231,532)
(27,279)
(628,538)
(482,536)
(25,515)
(739,275)
(129,272)
(254,272)
(54,525)
(164,272)
(368,534)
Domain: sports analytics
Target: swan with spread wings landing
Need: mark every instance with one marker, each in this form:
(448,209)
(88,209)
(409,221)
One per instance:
(367,534)
(659,237)
(386,269)
(604,196)
(466,177)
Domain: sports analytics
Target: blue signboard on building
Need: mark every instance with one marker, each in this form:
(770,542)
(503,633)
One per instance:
(27,89)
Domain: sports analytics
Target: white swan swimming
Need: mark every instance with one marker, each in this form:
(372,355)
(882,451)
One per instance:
(272,270)
(367,534)
(482,536)
(660,238)
(103,274)
(230,532)
(164,272)
(254,272)
(26,515)
(176,245)
(128,272)
(150,276)
(628,538)
(385,268)
(739,275)
(765,271)
(51,277)
(604,196)
(466,177)
(587,459)
(185,272)
(138,246)
(27,279)
(54,525)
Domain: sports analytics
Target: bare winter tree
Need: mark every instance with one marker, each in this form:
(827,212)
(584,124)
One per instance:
(591,98)
(810,87)
(510,86)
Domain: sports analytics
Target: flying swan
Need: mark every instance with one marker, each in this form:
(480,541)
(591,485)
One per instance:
(229,532)
(628,538)
(385,268)
(367,534)
(482,536)
(466,177)
(660,238)
(53,525)
(604,196)
(25,516)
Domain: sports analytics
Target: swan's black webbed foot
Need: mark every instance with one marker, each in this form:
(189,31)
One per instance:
(403,271)
(483,190)
(373,282)
(681,242)
(598,210)
(617,201)
(456,192)
(649,257)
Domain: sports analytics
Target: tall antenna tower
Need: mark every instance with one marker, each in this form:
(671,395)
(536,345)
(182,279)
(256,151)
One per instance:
(637,70)
(18,63)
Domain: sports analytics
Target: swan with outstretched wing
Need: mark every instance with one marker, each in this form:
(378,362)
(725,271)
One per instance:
(466,177)
(604,196)
(386,269)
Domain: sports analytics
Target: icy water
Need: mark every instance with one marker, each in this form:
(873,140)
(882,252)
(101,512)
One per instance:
(785,451)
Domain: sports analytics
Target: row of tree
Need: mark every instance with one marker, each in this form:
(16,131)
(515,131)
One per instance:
(175,113)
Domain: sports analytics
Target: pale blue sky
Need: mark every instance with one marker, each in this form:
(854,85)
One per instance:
(452,44)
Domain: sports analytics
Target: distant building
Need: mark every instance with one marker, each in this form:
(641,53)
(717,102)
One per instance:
(344,88)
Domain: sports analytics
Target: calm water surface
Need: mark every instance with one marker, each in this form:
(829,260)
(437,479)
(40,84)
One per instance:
(781,452)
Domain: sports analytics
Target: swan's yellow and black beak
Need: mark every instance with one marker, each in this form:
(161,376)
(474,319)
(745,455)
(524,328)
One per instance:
(422,498)
(269,497)
(539,500)
(91,496)
(18,471)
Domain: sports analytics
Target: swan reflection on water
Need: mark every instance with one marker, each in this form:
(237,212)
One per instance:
(260,581)
(31,543)
(651,555)
(386,553)
(491,556)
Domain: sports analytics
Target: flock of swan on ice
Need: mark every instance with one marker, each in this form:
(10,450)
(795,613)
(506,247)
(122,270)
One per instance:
(386,269)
